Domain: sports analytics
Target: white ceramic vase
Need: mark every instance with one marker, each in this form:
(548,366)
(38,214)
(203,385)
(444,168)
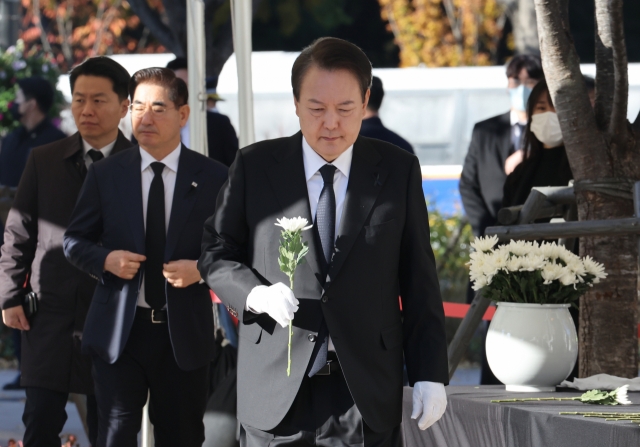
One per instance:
(532,347)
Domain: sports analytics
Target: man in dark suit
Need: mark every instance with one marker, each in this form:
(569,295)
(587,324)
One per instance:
(492,142)
(369,244)
(52,364)
(372,126)
(221,136)
(137,228)
(34,99)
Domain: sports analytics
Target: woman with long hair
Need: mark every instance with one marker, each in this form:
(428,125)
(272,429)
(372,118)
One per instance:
(545,159)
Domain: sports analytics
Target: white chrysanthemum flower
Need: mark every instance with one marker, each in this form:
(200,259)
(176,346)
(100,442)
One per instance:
(522,248)
(594,268)
(532,262)
(552,272)
(577,267)
(621,395)
(568,278)
(293,224)
(551,250)
(514,264)
(479,283)
(483,244)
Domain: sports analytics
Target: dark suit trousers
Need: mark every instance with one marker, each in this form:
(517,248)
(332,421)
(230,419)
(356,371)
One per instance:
(44,417)
(147,366)
(323,414)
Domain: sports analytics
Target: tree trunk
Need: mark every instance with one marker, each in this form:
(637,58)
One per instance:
(522,15)
(604,155)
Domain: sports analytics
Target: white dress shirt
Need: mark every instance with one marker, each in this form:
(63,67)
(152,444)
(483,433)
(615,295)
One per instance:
(86,147)
(312,164)
(169,178)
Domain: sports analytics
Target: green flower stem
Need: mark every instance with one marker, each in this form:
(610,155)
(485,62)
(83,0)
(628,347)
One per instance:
(290,334)
(536,399)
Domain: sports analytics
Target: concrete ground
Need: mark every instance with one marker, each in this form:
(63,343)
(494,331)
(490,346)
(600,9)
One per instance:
(12,406)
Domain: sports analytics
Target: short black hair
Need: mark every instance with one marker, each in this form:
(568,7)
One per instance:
(179,63)
(39,89)
(104,67)
(376,95)
(165,77)
(529,62)
(331,53)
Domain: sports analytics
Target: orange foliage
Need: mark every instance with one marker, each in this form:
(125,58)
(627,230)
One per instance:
(444,33)
(74,26)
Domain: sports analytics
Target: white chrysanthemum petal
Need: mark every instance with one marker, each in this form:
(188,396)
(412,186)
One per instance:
(621,395)
(483,244)
(293,224)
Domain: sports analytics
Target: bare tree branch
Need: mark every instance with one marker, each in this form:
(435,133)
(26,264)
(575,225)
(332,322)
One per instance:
(38,20)
(562,69)
(64,34)
(104,24)
(160,31)
(618,123)
(605,77)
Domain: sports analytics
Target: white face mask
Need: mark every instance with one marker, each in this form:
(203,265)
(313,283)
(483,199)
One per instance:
(546,127)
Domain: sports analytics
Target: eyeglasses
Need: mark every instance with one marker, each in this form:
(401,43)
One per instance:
(156,109)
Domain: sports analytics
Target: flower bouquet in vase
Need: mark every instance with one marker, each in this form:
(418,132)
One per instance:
(531,343)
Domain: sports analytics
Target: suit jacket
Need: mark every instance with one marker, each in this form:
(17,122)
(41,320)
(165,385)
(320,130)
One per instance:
(17,145)
(483,176)
(221,137)
(382,251)
(109,216)
(47,193)
(373,128)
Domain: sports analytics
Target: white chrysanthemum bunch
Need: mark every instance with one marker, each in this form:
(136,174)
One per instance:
(523,271)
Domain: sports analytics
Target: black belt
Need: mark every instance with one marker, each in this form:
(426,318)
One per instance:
(153,315)
(332,366)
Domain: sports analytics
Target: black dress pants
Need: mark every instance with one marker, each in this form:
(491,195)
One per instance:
(148,367)
(45,415)
(323,414)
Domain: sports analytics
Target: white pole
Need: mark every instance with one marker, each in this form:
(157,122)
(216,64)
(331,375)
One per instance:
(241,18)
(196,64)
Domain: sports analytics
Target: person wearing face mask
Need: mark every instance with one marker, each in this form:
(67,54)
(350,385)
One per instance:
(492,142)
(33,100)
(545,159)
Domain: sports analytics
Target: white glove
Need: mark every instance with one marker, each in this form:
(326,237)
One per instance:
(277,300)
(430,401)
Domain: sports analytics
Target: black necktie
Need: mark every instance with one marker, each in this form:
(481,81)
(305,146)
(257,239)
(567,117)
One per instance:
(95,155)
(154,281)
(326,228)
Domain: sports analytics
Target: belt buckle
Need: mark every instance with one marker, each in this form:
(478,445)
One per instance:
(325,370)
(153,319)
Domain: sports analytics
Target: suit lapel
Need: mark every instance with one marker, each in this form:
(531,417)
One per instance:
(366,180)
(122,143)
(289,183)
(184,197)
(129,186)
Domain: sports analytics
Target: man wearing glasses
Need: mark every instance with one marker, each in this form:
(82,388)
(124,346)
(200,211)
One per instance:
(137,227)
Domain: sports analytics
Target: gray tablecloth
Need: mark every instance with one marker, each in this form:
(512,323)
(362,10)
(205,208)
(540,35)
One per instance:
(471,420)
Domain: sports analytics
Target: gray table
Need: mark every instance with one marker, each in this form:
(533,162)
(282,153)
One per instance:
(471,420)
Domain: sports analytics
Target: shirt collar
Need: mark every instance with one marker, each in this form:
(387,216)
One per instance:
(106,150)
(170,161)
(515,119)
(313,162)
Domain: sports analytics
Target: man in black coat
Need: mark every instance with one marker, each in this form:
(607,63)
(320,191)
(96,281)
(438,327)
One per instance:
(33,100)
(221,136)
(369,245)
(137,228)
(52,364)
(492,142)
(372,126)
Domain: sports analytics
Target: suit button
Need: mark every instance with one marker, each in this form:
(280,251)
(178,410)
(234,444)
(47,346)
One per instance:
(325,299)
(311,338)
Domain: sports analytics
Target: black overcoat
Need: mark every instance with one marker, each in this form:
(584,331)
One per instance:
(33,237)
